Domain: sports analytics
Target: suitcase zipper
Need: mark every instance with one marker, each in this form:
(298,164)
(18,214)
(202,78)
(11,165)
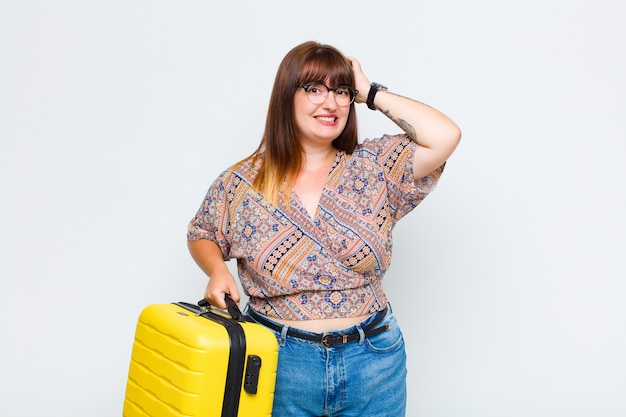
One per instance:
(236,359)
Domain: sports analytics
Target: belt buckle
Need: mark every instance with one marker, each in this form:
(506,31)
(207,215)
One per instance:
(327,340)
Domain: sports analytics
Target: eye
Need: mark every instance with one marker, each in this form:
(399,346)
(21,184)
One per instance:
(343,91)
(316,89)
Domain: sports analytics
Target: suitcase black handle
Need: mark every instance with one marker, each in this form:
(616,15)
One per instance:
(231,307)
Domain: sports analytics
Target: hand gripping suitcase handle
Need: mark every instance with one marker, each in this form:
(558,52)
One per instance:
(231,307)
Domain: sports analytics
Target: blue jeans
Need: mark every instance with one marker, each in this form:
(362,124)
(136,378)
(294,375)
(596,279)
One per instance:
(361,378)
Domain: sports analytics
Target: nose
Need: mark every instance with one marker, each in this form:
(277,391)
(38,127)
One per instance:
(330,102)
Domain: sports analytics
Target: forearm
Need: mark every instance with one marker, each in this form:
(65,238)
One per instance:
(209,258)
(424,124)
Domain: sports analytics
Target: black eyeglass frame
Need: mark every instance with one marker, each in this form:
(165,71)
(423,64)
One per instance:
(334,90)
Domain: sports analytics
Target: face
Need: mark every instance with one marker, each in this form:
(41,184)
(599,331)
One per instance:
(319,123)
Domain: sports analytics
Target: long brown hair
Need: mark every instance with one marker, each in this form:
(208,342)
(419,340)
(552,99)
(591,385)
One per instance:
(280,147)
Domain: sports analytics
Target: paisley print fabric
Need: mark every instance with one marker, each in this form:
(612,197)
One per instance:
(297,267)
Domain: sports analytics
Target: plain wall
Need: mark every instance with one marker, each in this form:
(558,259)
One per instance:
(508,281)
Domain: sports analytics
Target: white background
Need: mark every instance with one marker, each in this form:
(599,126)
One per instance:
(115,117)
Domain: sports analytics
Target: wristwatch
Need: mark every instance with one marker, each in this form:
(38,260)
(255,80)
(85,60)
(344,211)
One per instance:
(374,88)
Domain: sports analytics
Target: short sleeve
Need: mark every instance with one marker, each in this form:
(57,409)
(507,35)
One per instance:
(212,219)
(395,154)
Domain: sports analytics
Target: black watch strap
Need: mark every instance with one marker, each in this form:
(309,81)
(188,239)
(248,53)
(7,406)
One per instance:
(374,88)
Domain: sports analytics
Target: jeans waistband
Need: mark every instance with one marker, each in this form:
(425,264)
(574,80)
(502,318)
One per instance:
(326,339)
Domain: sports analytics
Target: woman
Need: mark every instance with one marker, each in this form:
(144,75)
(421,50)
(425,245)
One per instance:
(309,217)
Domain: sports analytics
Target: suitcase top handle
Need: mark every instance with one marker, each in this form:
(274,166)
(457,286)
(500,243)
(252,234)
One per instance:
(231,307)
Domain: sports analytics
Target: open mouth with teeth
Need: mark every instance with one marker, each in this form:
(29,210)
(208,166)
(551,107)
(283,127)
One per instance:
(327,119)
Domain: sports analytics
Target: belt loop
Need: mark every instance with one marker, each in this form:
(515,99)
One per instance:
(361,335)
(283,336)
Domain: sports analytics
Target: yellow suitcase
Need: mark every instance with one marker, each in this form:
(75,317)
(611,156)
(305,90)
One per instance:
(191,360)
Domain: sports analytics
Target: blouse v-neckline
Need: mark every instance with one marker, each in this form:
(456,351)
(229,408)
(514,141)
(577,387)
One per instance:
(300,203)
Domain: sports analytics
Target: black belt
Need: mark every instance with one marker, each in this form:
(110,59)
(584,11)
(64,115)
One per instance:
(326,339)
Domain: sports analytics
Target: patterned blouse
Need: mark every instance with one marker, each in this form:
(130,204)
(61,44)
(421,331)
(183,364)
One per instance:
(296,267)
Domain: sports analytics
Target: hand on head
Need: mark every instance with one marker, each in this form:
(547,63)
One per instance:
(361,83)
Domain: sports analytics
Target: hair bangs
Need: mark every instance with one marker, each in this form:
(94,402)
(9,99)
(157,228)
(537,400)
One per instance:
(327,66)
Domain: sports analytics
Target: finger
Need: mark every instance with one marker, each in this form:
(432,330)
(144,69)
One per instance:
(215,297)
(234,294)
(353,61)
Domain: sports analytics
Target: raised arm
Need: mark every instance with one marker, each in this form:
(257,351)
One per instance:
(436,135)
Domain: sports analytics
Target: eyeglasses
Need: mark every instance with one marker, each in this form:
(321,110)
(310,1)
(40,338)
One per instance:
(317,93)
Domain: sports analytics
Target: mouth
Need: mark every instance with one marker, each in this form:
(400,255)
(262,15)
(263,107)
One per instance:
(327,119)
